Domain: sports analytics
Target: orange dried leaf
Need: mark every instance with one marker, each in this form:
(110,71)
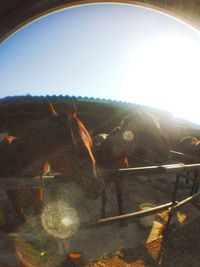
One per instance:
(154,247)
(84,133)
(181,217)
(85,136)
(74,256)
(53,111)
(161,229)
(156,232)
(164,215)
(9,139)
(195,142)
(46,169)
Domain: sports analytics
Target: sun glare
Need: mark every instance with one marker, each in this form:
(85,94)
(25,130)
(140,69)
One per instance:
(164,74)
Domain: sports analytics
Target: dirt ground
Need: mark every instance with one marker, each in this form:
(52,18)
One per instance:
(181,249)
(121,245)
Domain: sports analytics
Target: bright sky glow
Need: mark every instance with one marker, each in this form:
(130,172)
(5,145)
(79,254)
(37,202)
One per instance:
(111,51)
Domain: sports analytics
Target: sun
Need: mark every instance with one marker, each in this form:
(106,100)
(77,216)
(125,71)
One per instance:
(164,74)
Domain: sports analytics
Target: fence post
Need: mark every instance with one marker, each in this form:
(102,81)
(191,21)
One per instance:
(166,231)
(173,203)
(196,182)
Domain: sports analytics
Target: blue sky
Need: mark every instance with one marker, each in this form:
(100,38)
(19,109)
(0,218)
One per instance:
(112,51)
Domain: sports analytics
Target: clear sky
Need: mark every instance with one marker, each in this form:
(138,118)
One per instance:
(111,51)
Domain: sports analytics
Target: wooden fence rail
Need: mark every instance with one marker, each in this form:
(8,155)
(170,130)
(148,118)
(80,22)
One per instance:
(178,169)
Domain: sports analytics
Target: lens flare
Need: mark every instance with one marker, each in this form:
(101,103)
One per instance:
(60,220)
(128,135)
